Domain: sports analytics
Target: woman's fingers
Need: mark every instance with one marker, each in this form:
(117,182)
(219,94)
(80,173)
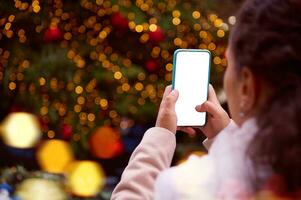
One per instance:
(187,130)
(209,107)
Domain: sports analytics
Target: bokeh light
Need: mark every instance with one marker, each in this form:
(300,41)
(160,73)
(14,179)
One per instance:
(85,178)
(54,155)
(20,130)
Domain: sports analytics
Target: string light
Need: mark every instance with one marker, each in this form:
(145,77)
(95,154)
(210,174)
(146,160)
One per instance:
(100,68)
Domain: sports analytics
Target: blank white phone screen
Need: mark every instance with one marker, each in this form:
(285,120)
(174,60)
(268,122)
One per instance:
(191,79)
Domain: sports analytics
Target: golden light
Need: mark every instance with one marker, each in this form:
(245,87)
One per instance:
(196,14)
(139,86)
(139,28)
(176,21)
(37,188)
(54,156)
(220,33)
(103,102)
(168,67)
(79,89)
(118,75)
(21,130)
(153,27)
(203,34)
(85,178)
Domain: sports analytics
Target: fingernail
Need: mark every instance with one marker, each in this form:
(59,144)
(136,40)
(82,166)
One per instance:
(198,107)
(174,92)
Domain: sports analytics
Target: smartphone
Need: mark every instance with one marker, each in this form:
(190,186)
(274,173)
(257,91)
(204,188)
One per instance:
(191,70)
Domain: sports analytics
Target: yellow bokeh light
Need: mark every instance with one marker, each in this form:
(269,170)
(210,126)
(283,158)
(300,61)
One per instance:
(36,8)
(176,21)
(85,178)
(177,41)
(21,130)
(51,134)
(113,114)
(91,117)
(102,34)
(153,27)
(42,81)
(12,85)
(139,86)
(217,60)
(218,23)
(125,87)
(212,17)
(79,90)
(77,108)
(7,26)
(11,18)
(40,188)
(132,25)
(203,34)
(211,46)
(169,67)
(118,75)
(176,13)
(54,155)
(220,33)
(103,103)
(196,14)
(139,28)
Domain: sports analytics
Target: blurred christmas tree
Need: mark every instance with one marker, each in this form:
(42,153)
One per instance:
(83,65)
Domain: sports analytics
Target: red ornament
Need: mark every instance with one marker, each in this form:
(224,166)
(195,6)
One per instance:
(66,131)
(53,34)
(157,35)
(152,65)
(119,21)
(105,143)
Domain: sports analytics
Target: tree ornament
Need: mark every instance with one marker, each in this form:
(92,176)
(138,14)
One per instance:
(119,21)
(53,34)
(85,178)
(21,130)
(66,131)
(54,155)
(157,35)
(37,188)
(152,65)
(105,142)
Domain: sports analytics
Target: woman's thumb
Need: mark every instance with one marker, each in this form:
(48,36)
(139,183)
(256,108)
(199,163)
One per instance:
(209,107)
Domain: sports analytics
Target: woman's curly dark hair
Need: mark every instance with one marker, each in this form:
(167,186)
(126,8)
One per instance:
(267,40)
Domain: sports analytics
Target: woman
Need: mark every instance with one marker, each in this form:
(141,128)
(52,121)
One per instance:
(260,148)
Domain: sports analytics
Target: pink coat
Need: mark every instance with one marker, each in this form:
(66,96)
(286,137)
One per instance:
(223,173)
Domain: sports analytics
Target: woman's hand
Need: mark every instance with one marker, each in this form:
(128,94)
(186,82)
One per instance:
(167,117)
(217,117)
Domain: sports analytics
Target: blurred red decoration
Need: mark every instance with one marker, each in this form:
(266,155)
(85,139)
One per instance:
(66,131)
(119,21)
(152,65)
(52,34)
(157,35)
(105,143)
